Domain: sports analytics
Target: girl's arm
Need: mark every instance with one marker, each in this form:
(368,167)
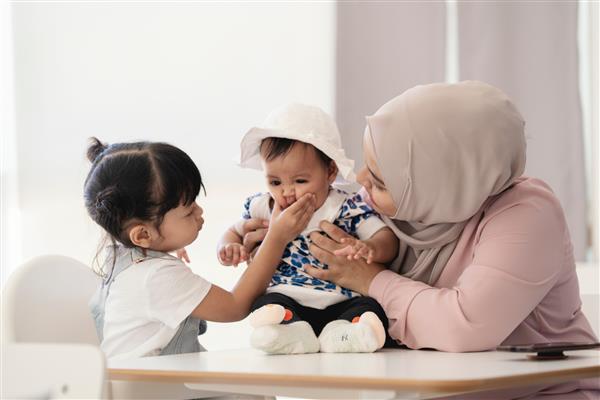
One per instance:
(222,306)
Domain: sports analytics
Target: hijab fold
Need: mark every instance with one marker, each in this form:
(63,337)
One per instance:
(443,150)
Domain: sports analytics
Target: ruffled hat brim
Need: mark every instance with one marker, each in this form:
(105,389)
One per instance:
(250,150)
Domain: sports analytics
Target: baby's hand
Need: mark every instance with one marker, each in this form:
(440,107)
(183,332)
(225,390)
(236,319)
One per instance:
(182,255)
(232,254)
(356,249)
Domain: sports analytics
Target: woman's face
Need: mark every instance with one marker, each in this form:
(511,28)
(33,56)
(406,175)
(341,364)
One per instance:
(371,179)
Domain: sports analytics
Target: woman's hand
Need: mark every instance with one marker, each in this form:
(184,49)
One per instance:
(287,224)
(255,231)
(352,274)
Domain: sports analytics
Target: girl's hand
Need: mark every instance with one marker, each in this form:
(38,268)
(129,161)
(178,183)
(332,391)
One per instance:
(352,274)
(232,254)
(182,255)
(286,225)
(356,249)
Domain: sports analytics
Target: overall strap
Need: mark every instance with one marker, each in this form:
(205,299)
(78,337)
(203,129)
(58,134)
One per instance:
(98,302)
(186,337)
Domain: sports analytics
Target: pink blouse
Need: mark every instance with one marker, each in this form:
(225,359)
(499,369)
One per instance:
(510,280)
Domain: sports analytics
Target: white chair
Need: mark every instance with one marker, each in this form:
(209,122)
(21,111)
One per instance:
(50,347)
(52,371)
(46,300)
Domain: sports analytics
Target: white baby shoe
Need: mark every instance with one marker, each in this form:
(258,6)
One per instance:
(272,337)
(295,338)
(365,335)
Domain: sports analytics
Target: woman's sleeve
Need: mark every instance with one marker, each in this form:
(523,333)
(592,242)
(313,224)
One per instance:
(516,261)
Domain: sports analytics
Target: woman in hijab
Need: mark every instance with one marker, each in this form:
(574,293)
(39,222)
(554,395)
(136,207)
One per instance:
(485,257)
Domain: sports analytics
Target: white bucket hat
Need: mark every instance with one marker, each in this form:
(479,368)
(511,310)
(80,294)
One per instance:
(300,122)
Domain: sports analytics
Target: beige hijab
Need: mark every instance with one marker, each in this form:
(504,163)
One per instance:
(443,150)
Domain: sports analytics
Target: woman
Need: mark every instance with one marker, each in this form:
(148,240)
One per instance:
(485,253)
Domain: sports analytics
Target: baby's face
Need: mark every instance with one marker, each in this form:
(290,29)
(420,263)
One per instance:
(298,172)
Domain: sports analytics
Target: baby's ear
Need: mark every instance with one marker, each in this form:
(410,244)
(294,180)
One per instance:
(332,171)
(140,236)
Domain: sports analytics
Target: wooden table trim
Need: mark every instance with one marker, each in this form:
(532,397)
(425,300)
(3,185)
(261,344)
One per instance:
(434,386)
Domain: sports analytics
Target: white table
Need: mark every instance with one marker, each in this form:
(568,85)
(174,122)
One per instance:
(384,374)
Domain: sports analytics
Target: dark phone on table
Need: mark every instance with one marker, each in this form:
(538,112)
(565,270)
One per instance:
(548,347)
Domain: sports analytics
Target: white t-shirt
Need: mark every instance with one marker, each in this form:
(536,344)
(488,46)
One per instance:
(146,304)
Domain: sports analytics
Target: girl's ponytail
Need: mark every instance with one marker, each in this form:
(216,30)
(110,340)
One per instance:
(95,148)
(110,210)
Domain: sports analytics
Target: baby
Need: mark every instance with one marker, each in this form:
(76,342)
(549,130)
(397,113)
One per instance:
(299,149)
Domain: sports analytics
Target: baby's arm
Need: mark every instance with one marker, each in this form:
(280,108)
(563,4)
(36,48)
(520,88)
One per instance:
(382,247)
(384,244)
(230,250)
(222,306)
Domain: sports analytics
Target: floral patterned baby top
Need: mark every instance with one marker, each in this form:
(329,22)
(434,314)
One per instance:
(347,211)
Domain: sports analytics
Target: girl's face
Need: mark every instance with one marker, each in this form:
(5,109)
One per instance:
(371,179)
(298,172)
(179,228)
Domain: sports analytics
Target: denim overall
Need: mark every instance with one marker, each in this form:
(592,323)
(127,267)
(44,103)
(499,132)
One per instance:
(186,337)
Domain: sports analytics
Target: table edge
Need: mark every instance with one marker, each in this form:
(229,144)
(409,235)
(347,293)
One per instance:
(432,386)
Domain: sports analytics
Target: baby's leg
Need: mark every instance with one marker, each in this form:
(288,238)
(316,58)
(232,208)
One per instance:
(273,309)
(359,327)
(279,328)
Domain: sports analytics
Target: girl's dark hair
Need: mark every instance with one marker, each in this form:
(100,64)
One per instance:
(137,181)
(273,147)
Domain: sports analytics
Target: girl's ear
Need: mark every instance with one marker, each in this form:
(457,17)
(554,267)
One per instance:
(332,171)
(140,236)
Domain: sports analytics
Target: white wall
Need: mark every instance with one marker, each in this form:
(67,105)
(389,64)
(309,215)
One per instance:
(9,206)
(197,75)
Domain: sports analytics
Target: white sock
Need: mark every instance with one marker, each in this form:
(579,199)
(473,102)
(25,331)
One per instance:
(295,338)
(341,336)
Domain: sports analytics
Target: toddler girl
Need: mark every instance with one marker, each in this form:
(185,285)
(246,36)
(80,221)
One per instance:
(299,149)
(150,303)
